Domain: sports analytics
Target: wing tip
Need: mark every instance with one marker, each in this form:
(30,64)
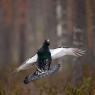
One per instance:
(79,52)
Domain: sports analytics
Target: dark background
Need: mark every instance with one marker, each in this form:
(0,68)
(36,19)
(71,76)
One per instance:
(25,24)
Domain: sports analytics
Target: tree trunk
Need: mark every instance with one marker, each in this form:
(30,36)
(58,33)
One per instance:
(90,34)
(7,24)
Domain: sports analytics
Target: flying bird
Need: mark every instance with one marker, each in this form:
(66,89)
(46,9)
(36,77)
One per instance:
(55,54)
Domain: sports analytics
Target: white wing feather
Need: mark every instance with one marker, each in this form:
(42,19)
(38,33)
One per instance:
(60,52)
(28,63)
(55,53)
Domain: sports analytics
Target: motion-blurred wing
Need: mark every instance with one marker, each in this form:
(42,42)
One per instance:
(55,54)
(27,64)
(60,52)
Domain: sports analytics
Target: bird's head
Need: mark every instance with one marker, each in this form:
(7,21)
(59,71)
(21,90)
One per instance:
(46,42)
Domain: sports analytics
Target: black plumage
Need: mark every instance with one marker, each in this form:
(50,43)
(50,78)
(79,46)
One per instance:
(44,56)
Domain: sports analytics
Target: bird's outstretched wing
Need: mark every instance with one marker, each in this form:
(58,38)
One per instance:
(60,52)
(55,54)
(28,63)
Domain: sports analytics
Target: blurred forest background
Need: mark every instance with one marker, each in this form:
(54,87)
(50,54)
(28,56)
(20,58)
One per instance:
(24,24)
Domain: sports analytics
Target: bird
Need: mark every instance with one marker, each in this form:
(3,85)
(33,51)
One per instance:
(44,56)
(55,54)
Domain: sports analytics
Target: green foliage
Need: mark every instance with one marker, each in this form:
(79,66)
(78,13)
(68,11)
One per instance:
(2,91)
(10,84)
(86,88)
